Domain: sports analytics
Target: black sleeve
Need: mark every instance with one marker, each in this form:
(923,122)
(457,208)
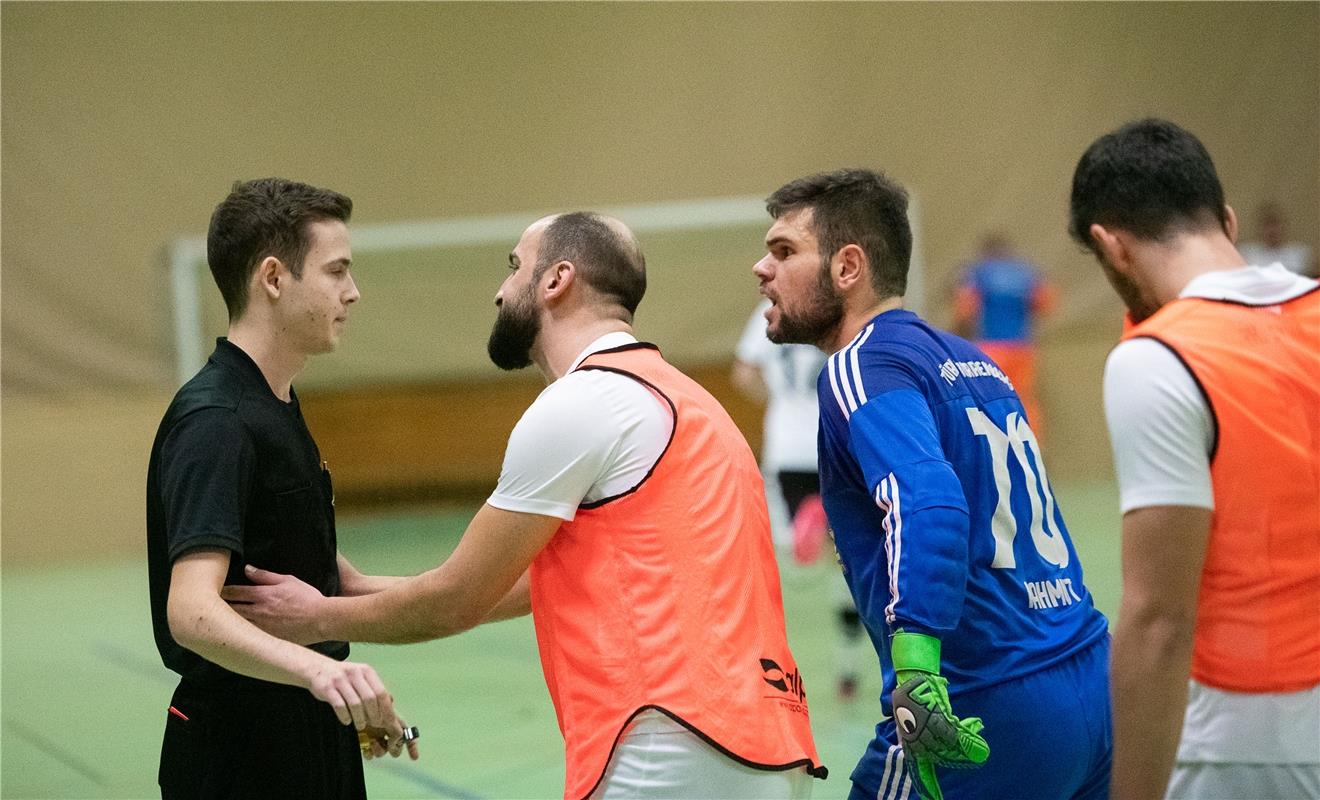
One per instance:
(206,466)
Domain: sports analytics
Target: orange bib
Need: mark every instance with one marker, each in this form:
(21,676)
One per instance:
(1258,613)
(667,597)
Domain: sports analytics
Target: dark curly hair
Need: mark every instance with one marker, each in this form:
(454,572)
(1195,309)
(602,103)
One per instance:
(855,206)
(1150,178)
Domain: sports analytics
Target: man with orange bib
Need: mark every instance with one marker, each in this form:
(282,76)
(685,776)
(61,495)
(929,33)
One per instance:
(630,520)
(1213,406)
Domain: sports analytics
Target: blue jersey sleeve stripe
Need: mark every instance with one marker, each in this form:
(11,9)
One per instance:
(846,376)
(856,368)
(845,403)
(886,496)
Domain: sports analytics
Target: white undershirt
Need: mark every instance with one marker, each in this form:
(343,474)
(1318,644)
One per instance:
(588,436)
(1160,426)
(1162,431)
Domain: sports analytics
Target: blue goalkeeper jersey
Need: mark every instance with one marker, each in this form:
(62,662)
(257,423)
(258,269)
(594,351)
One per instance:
(941,509)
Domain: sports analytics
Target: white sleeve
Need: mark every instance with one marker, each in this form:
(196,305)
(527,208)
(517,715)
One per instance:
(1160,426)
(754,347)
(588,436)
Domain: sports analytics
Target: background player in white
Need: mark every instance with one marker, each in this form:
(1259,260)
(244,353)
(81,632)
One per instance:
(1272,246)
(783,378)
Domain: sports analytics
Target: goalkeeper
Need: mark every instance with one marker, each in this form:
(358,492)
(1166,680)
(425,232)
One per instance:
(993,656)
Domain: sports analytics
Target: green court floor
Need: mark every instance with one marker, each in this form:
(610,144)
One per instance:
(83,694)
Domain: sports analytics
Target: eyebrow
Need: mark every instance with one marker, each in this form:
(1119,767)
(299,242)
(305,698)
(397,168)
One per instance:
(777,240)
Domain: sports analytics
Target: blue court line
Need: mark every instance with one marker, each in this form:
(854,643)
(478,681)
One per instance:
(134,662)
(56,752)
(416,776)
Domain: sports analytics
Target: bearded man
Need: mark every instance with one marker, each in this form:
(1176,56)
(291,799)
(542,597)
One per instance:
(630,521)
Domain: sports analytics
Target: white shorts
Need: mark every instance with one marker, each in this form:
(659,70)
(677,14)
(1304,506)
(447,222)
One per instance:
(1236,745)
(1244,781)
(659,759)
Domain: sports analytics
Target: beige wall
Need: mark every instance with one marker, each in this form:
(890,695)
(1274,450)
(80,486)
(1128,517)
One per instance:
(123,125)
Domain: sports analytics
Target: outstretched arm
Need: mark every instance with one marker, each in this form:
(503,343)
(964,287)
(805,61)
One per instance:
(496,550)
(352,583)
(517,603)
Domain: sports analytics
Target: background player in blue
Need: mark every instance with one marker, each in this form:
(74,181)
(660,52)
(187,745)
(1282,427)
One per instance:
(999,299)
(952,544)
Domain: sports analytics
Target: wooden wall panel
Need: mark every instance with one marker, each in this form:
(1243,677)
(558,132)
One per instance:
(445,441)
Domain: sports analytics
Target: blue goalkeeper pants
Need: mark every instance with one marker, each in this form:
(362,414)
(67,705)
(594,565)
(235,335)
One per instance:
(1049,733)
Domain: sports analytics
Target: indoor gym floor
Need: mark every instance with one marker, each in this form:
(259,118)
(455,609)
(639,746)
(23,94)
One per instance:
(83,694)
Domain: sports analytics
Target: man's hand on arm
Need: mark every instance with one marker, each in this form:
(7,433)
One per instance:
(1163,553)
(202,622)
(495,551)
(929,732)
(281,605)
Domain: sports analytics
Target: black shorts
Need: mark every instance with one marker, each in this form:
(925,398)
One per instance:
(797,486)
(257,741)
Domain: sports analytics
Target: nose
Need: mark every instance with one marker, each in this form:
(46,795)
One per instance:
(499,293)
(353,294)
(762,270)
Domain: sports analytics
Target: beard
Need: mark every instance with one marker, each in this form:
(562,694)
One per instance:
(516,327)
(819,316)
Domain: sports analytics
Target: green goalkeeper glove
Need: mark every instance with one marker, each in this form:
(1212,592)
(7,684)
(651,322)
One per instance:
(929,732)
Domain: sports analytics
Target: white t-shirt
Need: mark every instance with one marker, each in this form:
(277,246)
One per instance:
(1162,432)
(791,413)
(588,436)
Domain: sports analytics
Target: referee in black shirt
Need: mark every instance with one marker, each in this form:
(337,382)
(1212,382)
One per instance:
(235,477)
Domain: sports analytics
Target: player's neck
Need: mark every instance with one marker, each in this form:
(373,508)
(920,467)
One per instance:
(278,364)
(1171,268)
(561,342)
(855,318)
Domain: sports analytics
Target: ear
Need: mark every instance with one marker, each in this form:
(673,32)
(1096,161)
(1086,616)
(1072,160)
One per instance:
(850,266)
(1114,246)
(266,278)
(1230,223)
(558,279)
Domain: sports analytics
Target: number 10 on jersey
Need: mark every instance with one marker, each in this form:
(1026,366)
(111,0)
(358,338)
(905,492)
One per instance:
(1017,440)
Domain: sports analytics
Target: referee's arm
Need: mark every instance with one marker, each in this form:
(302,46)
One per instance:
(202,622)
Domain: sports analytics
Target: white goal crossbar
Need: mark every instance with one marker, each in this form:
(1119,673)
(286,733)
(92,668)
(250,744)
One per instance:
(187,255)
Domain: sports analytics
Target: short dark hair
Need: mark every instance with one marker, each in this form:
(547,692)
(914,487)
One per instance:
(608,260)
(1150,178)
(260,218)
(855,206)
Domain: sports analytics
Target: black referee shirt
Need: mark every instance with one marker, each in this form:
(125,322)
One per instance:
(235,467)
